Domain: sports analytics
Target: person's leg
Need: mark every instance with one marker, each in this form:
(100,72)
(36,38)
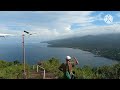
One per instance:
(73,75)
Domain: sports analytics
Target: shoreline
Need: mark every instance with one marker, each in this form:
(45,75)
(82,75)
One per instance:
(87,50)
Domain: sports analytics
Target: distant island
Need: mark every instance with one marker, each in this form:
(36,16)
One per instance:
(105,45)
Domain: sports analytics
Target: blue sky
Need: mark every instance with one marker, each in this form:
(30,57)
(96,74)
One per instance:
(56,24)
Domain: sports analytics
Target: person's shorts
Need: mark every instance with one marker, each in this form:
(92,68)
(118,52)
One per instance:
(68,75)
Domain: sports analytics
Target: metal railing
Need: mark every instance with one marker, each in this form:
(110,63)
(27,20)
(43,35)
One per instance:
(38,66)
(43,69)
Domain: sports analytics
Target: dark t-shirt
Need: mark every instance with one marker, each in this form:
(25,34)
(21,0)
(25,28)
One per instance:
(63,67)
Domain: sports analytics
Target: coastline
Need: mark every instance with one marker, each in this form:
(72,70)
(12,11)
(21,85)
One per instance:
(88,50)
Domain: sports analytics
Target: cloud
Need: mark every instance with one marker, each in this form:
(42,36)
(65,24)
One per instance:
(4,30)
(46,25)
(95,30)
(64,19)
(1,34)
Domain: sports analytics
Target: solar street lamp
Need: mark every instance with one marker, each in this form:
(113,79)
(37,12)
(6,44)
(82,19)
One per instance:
(23,45)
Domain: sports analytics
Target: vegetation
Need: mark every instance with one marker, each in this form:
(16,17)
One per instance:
(52,66)
(13,70)
(86,72)
(112,53)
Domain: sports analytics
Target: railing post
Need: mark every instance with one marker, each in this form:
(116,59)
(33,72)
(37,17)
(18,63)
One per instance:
(43,69)
(37,68)
(44,74)
(33,67)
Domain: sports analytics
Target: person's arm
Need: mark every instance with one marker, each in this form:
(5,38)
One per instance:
(75,62)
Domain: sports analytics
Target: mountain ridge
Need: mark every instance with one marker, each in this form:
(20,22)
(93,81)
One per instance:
(91,41)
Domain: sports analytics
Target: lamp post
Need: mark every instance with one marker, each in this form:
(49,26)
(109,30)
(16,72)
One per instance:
(24,71)
(23,45)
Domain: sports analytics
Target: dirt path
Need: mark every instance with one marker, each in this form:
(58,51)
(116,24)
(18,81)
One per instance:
(39,75)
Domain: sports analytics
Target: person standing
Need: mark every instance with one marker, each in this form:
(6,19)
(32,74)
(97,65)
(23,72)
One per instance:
(67,67)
